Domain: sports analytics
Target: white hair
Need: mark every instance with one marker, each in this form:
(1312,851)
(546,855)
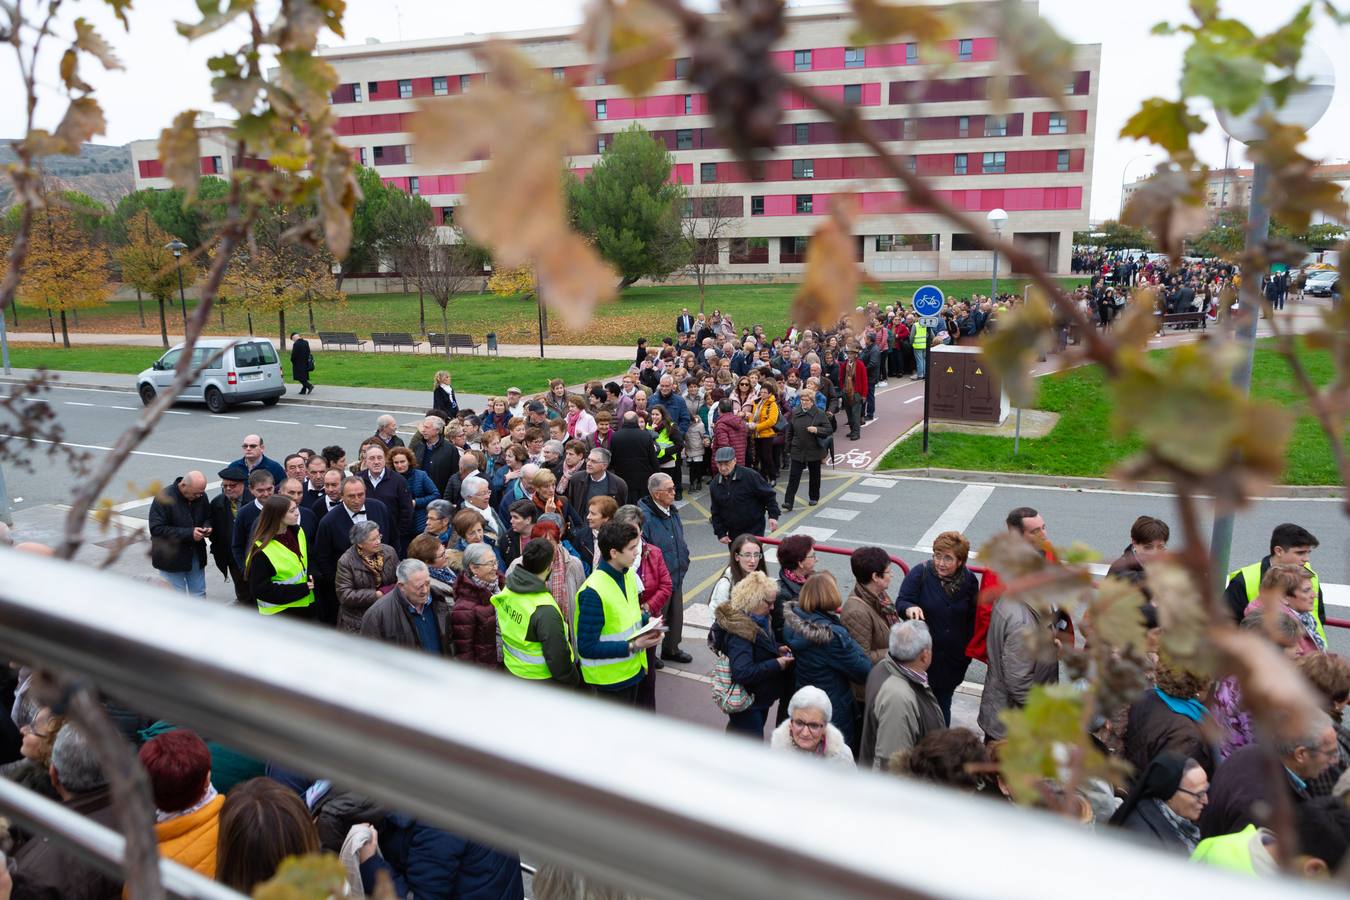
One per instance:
(909,638)
(407,568)
(811,697)
(472,486)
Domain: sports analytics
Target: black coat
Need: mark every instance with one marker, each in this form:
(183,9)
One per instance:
(1241,791)
(443,400)
(302,361)
(440,462)
(1150,825)
(221,521)
(335,534)
(172,518)
(951,621)
(633,458)
(393,492)
(740,502)
(802,445)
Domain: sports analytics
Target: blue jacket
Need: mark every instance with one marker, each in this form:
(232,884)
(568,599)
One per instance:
(675,405)
(430,864)
(951,621)
(747,644)
(666,532)
(266,463)
(828,658)
(423,491)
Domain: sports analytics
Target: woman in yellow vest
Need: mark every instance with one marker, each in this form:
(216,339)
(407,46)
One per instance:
(535,644)
(607,617)
(277,566)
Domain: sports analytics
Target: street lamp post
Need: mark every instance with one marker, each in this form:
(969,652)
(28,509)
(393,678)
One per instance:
(176,247)
(1304,107)
(1124,173)
(997,218)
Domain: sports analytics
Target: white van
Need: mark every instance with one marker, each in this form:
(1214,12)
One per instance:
(247,369)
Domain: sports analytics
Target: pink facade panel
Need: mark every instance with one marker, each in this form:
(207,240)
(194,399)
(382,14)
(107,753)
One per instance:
(885,55)
(985,48)
(682,173)
(871,94)
(884,202)
(827,58)
(779,204)
(782,59)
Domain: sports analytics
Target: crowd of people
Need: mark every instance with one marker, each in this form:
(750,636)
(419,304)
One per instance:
(540,537)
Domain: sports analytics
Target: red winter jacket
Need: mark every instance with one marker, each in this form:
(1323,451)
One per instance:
(859,377)
(656,583)
(473,623)
(729,431)
(991,589)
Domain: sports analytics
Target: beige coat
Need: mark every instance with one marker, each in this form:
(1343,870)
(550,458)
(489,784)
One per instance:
(358,588)
(868,627)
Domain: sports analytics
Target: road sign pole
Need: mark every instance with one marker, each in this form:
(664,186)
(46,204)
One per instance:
(927,380)
(928,302)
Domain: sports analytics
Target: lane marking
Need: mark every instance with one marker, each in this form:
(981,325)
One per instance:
(121,407)
(218,462)
(857,497)
(959,513)
(820,534)
(278,421)
(321,425)
(76,403)
(171,412)
(878,482)
(842,515)
(915,399)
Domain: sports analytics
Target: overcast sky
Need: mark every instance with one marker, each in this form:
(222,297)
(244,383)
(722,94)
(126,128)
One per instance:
(166,74)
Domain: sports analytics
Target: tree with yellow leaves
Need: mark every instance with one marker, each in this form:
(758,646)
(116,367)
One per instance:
(148,265)
(64,270)
(268,278)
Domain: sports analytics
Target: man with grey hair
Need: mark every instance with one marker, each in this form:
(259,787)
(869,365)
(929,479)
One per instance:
(478,497)
(1243,788)
(900,706)
(663,529)
(386,432)
(436,456)
(599,482)
(517,488)
(410,615)
(42,867)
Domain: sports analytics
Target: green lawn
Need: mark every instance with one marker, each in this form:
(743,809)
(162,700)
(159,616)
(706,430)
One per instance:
(1082,444)
(640,312)
(404,371)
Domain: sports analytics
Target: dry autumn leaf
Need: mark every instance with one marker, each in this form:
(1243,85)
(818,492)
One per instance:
(180,150)
(636,31)
(830,284)
(1171,205)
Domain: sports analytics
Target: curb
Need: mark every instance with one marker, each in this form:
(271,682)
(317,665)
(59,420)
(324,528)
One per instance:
(284,401)
(1088,484)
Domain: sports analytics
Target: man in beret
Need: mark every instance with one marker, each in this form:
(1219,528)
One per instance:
(224,508)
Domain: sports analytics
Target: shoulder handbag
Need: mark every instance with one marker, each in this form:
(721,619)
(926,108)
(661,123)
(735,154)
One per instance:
(729,696)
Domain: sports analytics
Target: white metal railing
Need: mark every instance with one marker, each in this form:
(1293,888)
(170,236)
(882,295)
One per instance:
(656,806)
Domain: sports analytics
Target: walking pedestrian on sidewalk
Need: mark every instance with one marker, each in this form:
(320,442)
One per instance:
(302,362)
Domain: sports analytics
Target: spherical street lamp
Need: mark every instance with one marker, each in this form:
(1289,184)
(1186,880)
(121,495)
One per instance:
(997,219)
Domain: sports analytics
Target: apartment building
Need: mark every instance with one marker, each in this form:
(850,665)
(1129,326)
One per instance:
(1031,157)
(1232,188)
(217,155)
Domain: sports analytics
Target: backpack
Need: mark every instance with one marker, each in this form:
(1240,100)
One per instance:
(729,696)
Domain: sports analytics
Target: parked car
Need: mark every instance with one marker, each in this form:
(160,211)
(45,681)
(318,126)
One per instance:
(242,369)
(1319,283)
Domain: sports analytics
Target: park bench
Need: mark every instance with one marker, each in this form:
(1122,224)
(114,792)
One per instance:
(452,342)
(340,339)
(1185,320)
(394,340)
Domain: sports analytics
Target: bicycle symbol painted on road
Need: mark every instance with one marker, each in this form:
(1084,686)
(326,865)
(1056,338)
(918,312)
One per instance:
(857,459)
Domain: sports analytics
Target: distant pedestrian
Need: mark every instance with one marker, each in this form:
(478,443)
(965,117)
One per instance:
(302,362)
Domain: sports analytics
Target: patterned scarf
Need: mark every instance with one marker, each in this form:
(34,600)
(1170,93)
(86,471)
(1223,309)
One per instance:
(557,582)
(1310,626)
(1187,830)
(953,582)
(374,562)
(880,602)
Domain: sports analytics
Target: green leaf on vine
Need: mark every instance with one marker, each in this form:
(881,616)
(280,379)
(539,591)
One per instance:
(1023,333)
(1116,616)
(1043,739)
(315,876)
(879,21)
(1164,122)
(1224,68)
(180,150)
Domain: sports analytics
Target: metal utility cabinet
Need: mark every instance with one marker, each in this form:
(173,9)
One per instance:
(964,388)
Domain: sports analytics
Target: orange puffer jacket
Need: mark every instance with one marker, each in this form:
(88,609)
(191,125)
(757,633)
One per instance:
(191,840)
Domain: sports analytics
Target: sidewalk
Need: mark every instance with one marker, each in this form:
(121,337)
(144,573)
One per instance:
(551,351)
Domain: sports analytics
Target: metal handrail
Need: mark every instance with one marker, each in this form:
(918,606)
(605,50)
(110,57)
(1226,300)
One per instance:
(97,845)
(655,806)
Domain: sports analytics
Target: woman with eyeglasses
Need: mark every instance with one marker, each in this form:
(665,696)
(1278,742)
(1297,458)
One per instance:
(33,768)
(747,555)
(1166,803)
(942,592)
(807,729)
(741,633)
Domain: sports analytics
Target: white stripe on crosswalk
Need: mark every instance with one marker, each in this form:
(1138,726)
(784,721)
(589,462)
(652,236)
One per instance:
(959,513)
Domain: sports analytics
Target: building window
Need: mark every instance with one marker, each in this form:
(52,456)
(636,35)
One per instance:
(965,50)
(853,94)
(414,187)
(959,164)
(363,155)
(404,88)
(801,133)
(379,154)
(1072,86)
(601,110)
(682,66)
(684,139)
(373,87)
(440,86)
(803,168)
(912,163)
(688,104)
(995,126)
(910,129)
(447,215)
(801,60)
(215,165)
(687,210)
(911,54)
(600,78)
(804,204)
(559,73)
(600,143)
(1059,124)
(995,163)
(854,57)
(356,92)
(885,243)
(464,82)
(963,126)
(1062,161)
(756,206)
(707,173)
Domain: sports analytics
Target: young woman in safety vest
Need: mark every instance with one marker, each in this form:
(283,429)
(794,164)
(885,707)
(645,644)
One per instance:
(277,565)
